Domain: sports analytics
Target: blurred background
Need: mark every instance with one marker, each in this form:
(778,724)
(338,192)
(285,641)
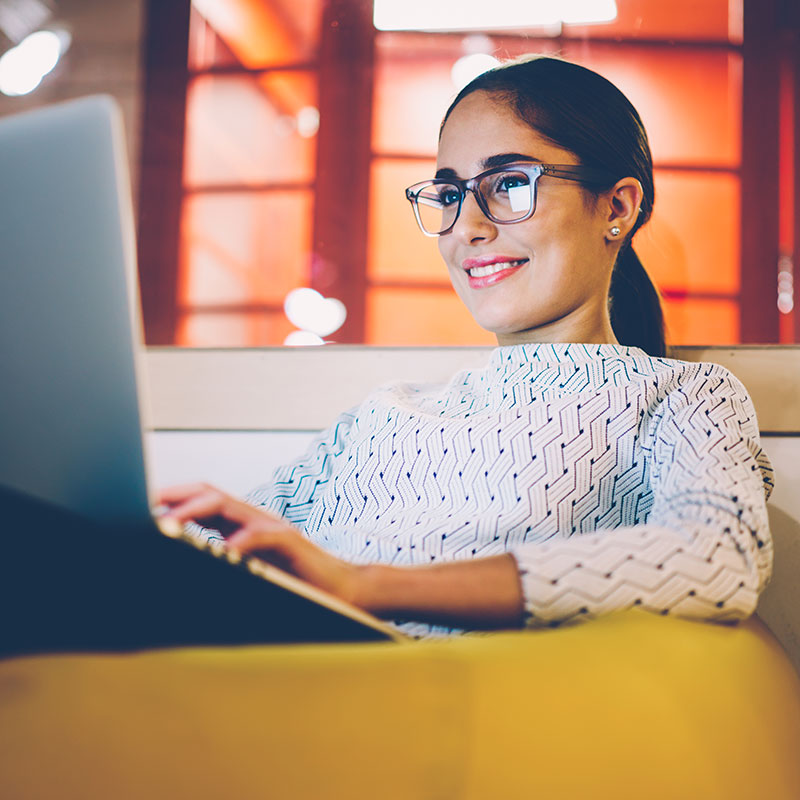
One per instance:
(270,142)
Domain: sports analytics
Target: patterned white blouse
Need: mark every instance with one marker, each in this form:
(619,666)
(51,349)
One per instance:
(614,478)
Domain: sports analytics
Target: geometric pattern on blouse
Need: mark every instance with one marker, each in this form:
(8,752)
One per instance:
(614,478)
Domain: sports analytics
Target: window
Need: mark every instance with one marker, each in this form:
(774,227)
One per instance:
(300,126)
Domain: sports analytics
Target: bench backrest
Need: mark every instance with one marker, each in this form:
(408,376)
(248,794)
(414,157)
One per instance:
(229,417)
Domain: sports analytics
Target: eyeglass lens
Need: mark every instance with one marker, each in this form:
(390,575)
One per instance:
(508,196)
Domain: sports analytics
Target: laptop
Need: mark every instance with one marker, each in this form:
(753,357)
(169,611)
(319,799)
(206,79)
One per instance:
(71,401)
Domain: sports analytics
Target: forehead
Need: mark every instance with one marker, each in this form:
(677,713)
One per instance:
(482,125)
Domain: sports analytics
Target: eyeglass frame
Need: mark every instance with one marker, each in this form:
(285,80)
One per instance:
(590,176)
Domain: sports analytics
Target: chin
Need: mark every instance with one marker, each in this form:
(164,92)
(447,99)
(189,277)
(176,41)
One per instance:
(499,321)
(503,327)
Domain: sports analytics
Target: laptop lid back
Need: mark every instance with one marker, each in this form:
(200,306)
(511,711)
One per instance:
(70,427)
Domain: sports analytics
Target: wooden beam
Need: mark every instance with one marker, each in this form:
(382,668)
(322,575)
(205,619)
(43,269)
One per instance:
(261,33)
(339,261)
(166,46)
(760,171)
(793,51)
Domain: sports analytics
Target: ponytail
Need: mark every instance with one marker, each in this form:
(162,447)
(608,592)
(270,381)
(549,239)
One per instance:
(635,305)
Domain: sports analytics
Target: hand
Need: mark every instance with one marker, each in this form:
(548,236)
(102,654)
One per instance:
(251,531)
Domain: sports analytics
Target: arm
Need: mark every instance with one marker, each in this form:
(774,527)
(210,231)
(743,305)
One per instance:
(484,593)
(705,550)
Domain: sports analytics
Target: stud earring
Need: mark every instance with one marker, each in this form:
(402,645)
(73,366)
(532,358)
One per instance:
(615,231)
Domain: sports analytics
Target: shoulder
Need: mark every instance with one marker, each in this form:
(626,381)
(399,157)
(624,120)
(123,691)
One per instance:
(706,402)
(678,381)
(688,383)
(707,410)
(698,400)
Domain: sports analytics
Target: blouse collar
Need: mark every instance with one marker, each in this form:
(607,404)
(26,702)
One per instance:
(558,353)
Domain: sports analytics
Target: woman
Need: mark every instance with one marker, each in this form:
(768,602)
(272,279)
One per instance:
(580,472)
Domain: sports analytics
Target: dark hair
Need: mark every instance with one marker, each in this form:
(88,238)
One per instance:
(581,111)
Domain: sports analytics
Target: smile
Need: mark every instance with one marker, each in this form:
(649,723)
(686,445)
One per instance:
(481,276)
(491,269)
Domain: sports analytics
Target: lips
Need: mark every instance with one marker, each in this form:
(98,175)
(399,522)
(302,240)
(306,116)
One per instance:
(489,270)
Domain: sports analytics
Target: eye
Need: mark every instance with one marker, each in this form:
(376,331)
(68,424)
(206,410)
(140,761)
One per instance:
(448,196)
(509,180)
(439,196)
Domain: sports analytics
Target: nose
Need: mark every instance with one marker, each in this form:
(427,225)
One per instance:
(472,225)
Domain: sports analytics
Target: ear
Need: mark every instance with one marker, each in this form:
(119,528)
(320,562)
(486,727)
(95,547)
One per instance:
(624,201)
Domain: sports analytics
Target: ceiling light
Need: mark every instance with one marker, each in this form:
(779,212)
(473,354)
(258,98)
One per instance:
(390,15)
(307,121)
(23,67)
(308,310)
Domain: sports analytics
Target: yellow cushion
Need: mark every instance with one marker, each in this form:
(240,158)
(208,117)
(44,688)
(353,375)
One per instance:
(628,706)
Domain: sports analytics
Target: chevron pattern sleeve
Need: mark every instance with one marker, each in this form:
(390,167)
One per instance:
(294,488)
(703,548)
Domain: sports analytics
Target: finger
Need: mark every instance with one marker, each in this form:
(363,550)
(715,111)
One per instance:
(262,540)
(264,537)
(212,504)
(171,495)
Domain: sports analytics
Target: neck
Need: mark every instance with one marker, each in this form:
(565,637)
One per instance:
(575,327)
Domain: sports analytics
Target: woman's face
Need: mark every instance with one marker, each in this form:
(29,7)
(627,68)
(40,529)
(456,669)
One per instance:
(558,263)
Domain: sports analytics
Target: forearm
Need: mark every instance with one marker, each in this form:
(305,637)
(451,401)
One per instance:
(700,571)
(484,593)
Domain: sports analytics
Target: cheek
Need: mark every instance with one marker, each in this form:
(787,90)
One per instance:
(566,240)
(565,265)
(445,248)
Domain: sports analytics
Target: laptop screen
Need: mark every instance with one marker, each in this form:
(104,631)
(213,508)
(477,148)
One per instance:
(70,426)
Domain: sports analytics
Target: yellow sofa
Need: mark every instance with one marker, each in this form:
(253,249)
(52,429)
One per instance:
(630,706)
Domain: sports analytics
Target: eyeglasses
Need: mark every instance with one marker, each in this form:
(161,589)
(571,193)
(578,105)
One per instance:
(505,194)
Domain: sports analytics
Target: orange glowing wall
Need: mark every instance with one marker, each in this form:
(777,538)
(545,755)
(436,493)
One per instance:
(249,178)
(689,103)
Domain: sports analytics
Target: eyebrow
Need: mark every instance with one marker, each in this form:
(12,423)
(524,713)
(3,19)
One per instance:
(490,162)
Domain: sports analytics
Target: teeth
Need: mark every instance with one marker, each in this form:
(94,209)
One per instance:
(482,272)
